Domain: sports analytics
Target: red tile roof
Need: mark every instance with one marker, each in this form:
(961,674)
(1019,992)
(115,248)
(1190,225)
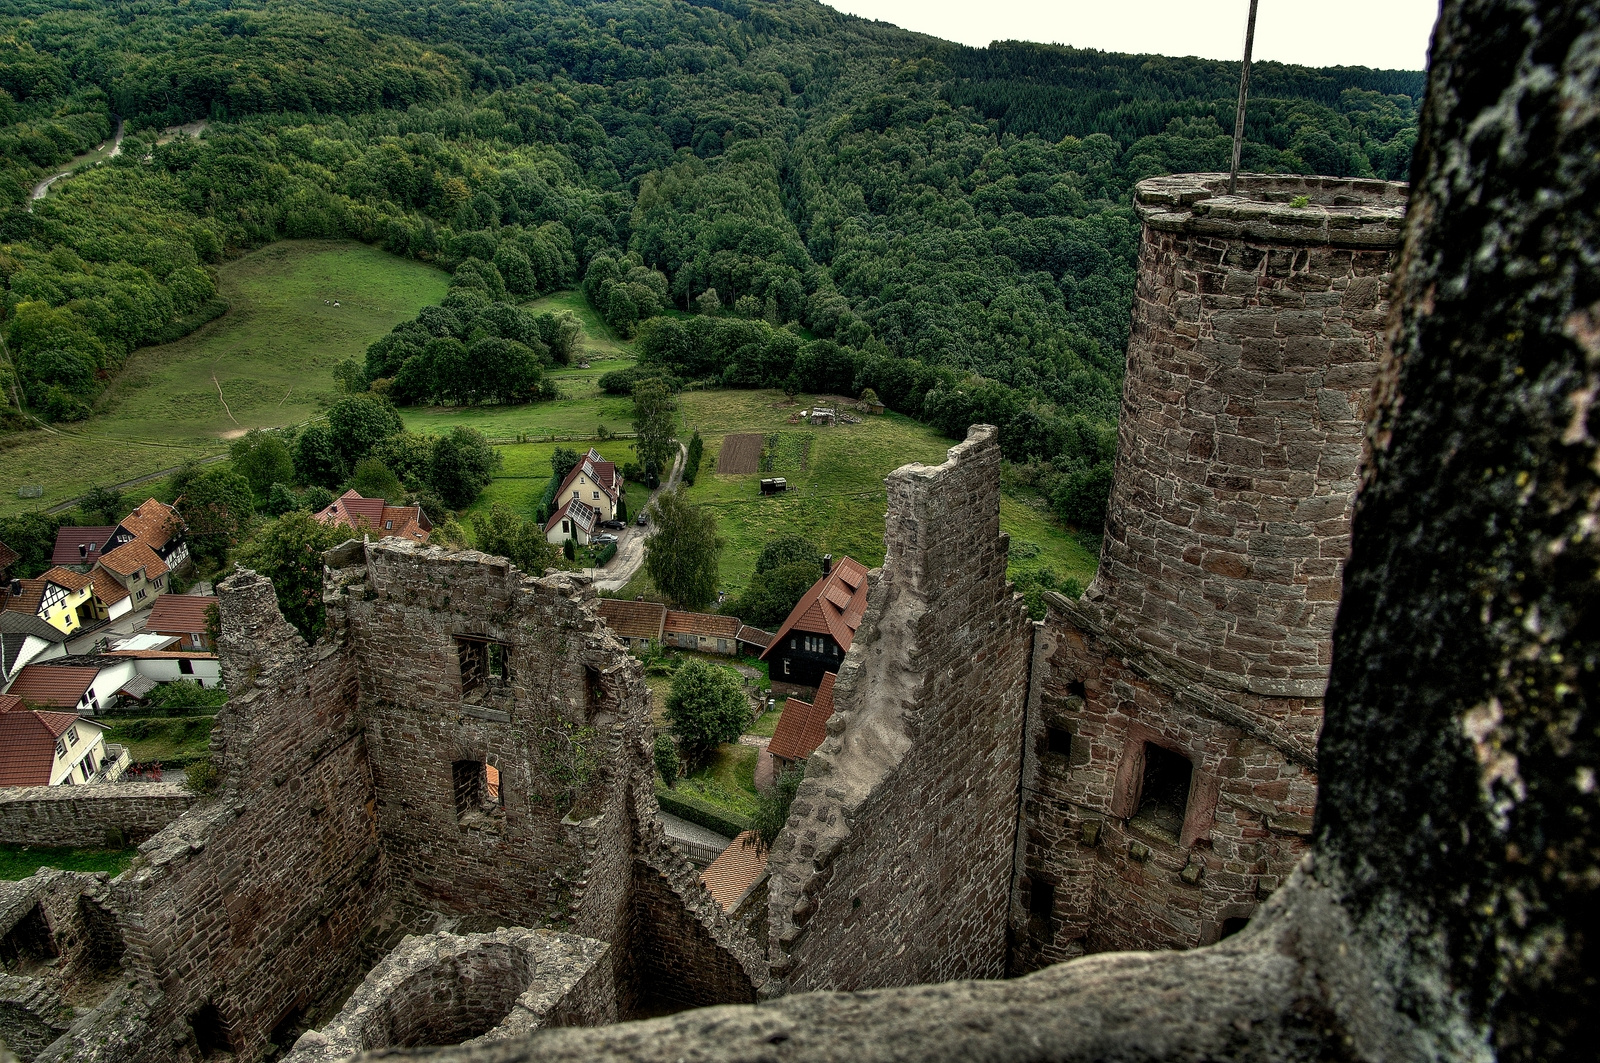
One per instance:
(602,472)
(355,512)
(755,636)
(130,557)
(152,523)
(66,577)
(60,685)
(730,876)
(28,742)
(833,606)
(803,725)
(69,538)
(8,557)
(106,587)
(711,625)
(634,620)
(164,655)
(179,614)
(28,594)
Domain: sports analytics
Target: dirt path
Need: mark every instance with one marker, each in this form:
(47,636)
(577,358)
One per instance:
(98,155)
(62,507)
(109,150)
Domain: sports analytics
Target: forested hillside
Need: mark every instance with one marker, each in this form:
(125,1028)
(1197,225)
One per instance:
(839,204)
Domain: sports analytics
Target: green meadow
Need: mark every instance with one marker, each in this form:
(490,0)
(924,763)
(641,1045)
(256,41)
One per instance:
(266,362)
(299,307)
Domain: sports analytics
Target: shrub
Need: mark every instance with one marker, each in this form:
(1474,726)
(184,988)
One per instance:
(773,810)
(666,760)
(202,776)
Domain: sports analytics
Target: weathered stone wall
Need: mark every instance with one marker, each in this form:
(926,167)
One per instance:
(247,911)
(444,989)
(1092,878)
(1256,332)
(895,864)
(88,815)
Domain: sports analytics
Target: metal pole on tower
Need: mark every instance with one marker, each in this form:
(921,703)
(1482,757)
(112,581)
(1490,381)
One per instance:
(1244,92)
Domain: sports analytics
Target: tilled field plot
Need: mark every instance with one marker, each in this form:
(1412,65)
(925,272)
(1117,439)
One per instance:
(740,454)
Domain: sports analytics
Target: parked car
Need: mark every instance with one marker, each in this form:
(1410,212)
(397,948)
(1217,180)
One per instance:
(614,525)
(642,520)
(605,537)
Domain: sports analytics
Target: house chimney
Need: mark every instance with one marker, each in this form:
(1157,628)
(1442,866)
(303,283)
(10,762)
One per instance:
(16,588)
(83,550)
(827,564)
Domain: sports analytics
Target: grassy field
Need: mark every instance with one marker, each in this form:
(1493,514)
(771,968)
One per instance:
(269,356)
(174,741)
(21,861)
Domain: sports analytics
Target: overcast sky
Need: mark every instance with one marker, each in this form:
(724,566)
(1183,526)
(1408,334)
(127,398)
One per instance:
(1389,34)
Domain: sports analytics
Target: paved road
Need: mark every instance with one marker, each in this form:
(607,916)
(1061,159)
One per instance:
(630,541)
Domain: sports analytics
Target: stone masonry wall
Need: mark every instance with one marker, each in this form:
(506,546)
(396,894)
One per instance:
(250,909)
(1094,878)
(557,850)
(894,866)
(443,989)
(86,815)
(1256,332)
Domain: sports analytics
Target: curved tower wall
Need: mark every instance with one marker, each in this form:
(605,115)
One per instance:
(1257,326)
(1195,664)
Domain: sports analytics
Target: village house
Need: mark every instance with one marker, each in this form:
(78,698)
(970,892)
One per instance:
(635,624)
(706,632)
(39,747)
(80,548)
(23,640)
(158,526)
(736,870)
(84,684)
(575,520)
(803,725)
(183,616)
(129,577)
(375,515)
(62,598)
(595,482)
(817,633)
(753,641)
(169,666)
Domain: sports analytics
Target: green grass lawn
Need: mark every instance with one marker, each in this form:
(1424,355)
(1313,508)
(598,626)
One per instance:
(729,781)
(172,740)
(270,355)
(21,861)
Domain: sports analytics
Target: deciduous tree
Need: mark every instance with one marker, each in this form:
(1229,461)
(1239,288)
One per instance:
(705,708)
(681,557)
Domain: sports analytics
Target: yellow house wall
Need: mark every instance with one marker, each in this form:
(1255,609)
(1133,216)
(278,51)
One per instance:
(63,616)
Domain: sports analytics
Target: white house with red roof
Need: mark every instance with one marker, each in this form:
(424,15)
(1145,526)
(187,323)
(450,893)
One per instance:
(377,516)
(819,629)
(39,747)
(594,482)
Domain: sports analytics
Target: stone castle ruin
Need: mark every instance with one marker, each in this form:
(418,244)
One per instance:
(1366,840)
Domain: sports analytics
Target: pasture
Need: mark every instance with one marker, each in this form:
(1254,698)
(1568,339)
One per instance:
(264,363)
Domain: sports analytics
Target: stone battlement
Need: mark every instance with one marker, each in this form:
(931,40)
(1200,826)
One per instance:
(1337,212)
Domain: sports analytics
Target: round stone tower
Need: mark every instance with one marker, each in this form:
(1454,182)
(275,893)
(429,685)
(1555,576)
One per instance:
(1257,326)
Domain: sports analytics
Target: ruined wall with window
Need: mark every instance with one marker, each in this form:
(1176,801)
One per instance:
(506,738)
(1170,755)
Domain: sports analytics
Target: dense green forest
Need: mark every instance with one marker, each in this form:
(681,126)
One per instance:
(837,204)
